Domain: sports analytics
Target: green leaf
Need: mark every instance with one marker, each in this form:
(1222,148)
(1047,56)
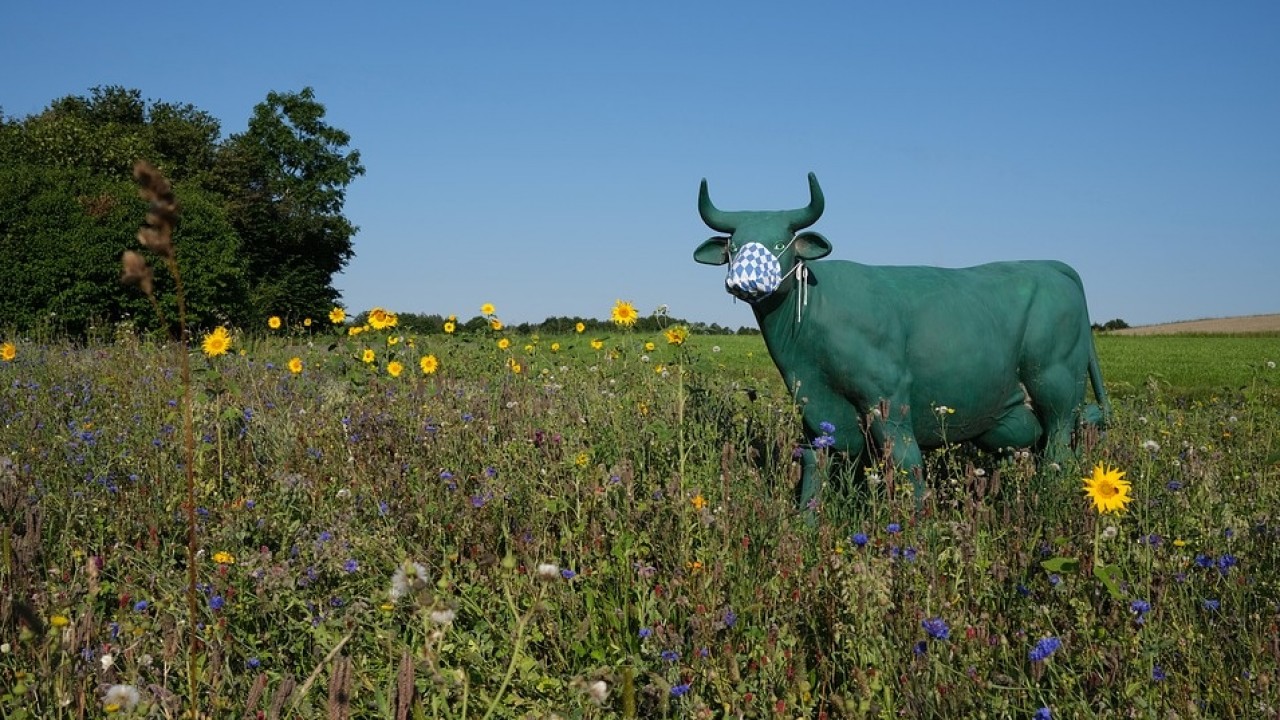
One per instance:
(1110,575)
(1061,565)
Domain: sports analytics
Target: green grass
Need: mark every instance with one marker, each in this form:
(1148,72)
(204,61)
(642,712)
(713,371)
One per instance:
(663,490)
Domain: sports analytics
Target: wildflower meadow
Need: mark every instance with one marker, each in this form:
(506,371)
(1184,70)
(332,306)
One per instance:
(316,518)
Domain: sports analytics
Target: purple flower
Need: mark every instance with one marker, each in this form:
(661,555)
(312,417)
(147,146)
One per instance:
(568,574)
(827,427)
(253,663)
(936,628)
(1043,714)
(141,606)
(216,602)
(1044,648)
(1204,561)
(325,536)
(670,655)
(859,539)
(679,690)
(1157,673)
(730,618)
(824,441)
(1212,605)
(351,565)
(894,528)
(920,648)
(645,632)
(1226,562)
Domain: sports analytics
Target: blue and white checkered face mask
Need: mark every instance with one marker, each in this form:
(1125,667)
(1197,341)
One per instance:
(754,273)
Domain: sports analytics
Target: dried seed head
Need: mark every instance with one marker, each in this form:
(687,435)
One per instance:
(162,215)
(136,271)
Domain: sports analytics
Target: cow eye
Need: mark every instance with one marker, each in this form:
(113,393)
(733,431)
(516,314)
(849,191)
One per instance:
(779,246)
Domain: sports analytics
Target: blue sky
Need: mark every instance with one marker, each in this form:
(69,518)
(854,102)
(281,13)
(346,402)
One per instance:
(545,157)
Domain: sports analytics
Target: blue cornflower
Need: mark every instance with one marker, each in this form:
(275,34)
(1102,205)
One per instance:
(1173,485)
(670,655)
(1157,673)
(730,618)
(253,663)
(645,632)
(824,441)
(216,602)
(1204,561)
(1226,562)
(936,628)
(894,528)
(909,554)
(1210,604)
(1140,608)
(679,690)
(1042,714)
(920,648)
(827,428)
(351,565)
(568,574)
(141,606)
(324,536)
(859,539)
(1044,648)
(1055,579)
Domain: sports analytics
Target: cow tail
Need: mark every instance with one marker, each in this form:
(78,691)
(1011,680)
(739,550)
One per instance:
(1103,408)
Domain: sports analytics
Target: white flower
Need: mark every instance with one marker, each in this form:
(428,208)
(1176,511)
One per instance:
(1142,419)
(1271,364)
(107,660)
(1151,446)
(443,617)
(409,576)
(1109,532)
(644,358)
(598,691)
(547,571)
(942,409)
(122,697)
(5,648)
(715,348)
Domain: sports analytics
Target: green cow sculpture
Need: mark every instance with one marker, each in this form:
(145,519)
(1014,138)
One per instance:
(910,357)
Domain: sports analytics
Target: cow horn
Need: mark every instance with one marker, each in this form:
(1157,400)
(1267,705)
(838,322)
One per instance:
(806,216)
(715,218)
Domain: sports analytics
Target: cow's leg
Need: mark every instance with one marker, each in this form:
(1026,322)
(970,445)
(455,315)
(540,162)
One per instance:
(1057,394)
(1018,427)
(847,438)
(895,433)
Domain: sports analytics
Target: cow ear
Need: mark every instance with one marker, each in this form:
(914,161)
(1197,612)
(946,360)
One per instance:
(713,251)
(811,246)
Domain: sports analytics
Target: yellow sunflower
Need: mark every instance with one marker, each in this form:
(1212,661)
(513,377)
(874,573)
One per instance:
(368,356)
(487,309)
(449,327)
(648,347)
(337,316)
(295,365)
(217,342)
(597,344)
(503,344)
(580,328)
(8,352)
(676,335)
(381,319)
(394,368)
(429,364)
(624,314)
(274,322)
(1107,489)
(496,324)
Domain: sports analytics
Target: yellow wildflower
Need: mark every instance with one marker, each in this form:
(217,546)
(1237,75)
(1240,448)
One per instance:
(394,368)
(59,621)
(487,309)
(8,352)
(597,344)
(496,324)
(224,558)
(295,365)
(429,364)
(273,322)
(580,328)
(555,347)
(698,501)
(503,344)
(648,347)
(677,334)
(624,314)
(1108,491)
(337,316)
(449,327)
(368,356)
(217,342)
(381,319)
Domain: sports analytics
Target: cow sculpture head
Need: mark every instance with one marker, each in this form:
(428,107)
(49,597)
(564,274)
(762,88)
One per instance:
(763,247)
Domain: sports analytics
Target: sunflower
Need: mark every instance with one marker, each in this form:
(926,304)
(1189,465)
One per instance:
(295,365)
(380,319)
(217,342)
(676,335)
(1107,489)
(597,344)
(337,316)
(306,322)
(580,328)
(449,327)
(487,309)
(496,324)
(648,347)
(394,368)
(8,352)
(368,356)
(503,344)
(273,322)
(224,558)
(624,314)
(429,364)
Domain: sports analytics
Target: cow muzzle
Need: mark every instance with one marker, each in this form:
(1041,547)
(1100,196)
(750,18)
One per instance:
(754,273)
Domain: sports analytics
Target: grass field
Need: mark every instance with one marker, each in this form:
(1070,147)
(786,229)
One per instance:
(543,528)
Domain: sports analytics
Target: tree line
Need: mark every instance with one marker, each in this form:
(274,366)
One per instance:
(261,230)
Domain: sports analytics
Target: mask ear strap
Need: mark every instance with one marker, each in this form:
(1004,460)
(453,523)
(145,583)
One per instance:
(802,281)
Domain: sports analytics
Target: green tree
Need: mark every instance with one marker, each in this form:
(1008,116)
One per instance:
(285,181)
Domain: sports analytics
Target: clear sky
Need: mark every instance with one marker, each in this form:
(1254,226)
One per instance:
(545,156)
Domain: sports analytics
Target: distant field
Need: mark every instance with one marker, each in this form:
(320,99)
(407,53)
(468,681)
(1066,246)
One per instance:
(1217,326)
